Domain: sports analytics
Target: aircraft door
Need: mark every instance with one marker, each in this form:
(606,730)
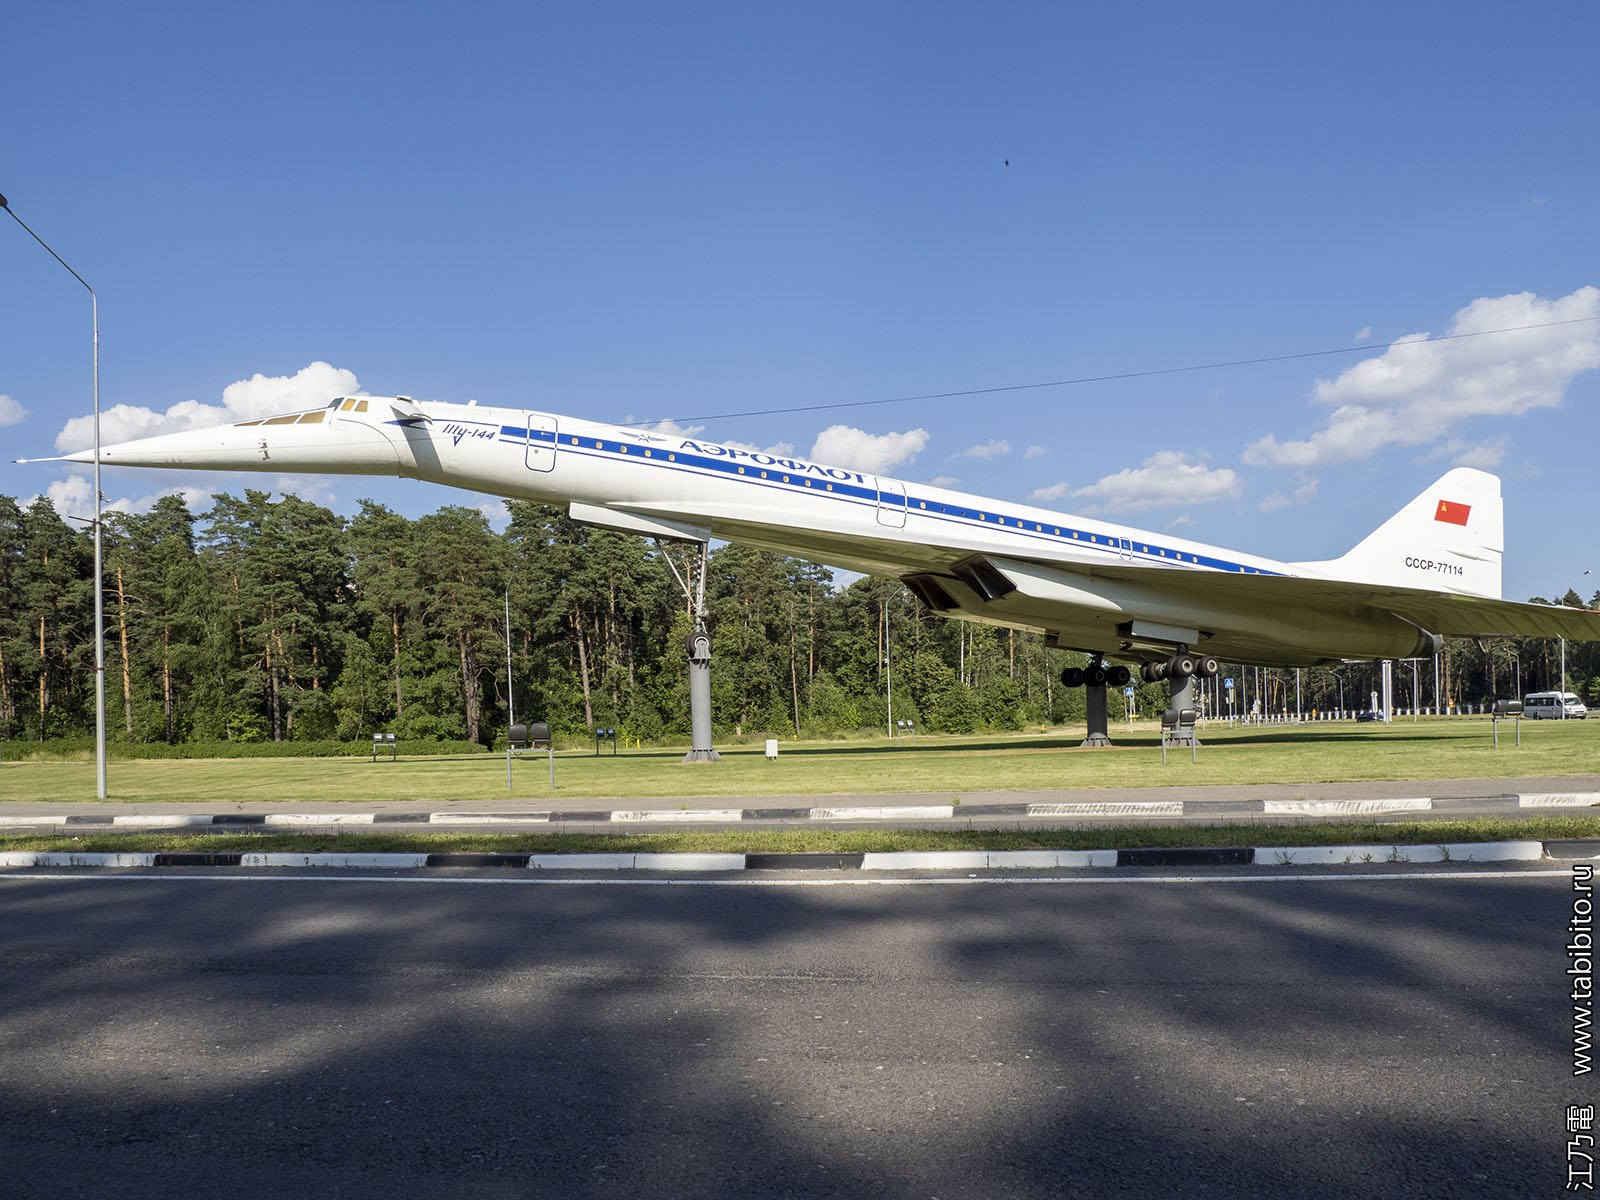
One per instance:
(891,504)
(541,442)
(1125,549)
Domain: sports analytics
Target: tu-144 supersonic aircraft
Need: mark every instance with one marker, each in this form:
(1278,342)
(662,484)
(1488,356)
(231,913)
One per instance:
(1169,607)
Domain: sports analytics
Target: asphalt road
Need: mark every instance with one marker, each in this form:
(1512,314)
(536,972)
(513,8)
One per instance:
(497,1036)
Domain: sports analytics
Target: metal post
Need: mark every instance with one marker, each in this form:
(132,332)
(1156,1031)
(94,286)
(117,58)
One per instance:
(511,704)
(888,665)
(699,651)
(99,570)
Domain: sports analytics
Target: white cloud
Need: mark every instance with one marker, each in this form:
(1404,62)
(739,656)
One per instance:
(1485,455)
(1280,499)
(670,427)
(945,481)
(1362,334)
(988,451)
(846,446)
(1180,522)
(496,513)
(258,396)
(1167,477)
(1052,493)
(73,495)
(11,412)
(313,489)
(777,449)
(1033,452)
(1420,389)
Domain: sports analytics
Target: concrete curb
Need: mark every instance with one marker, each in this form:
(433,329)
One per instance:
(955,860)
(731,816)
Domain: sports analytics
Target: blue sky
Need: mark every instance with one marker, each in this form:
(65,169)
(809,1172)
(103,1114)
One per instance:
(653,211)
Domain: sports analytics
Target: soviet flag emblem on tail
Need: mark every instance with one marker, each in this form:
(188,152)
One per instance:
(1452,513)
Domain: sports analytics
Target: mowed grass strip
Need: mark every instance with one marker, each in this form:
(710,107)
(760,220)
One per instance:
(842,841)
(1439,748)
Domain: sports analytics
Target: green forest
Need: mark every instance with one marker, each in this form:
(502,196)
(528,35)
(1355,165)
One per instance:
(267,620)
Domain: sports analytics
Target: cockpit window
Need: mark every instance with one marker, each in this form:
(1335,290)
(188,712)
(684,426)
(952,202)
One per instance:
(314,417)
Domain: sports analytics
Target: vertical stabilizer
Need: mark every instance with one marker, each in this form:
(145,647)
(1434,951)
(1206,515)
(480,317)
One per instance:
(1449,539)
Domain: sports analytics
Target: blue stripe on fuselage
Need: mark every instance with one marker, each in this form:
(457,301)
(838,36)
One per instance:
(777,477)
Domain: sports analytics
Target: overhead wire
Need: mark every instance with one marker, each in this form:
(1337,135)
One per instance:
(1111,377)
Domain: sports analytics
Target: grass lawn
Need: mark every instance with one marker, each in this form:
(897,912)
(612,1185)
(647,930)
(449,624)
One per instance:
(1438,748)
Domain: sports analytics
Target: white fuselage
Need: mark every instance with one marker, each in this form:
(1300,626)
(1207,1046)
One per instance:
(1087,583)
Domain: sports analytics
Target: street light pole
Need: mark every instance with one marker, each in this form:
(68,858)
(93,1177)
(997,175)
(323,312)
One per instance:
(99,573)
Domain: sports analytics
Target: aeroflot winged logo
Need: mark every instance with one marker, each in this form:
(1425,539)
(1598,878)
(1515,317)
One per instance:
(1452,513)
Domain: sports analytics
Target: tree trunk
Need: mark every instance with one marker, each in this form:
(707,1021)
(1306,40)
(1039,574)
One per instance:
(794,675)
(166,680)
(469,682)
(127,670)
(274,705)
(583,669)
(5,693)
(399,698)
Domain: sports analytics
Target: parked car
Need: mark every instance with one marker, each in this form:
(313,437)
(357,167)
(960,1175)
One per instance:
(1553,706)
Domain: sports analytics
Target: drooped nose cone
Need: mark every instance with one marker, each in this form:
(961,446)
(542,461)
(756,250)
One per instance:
(324,439)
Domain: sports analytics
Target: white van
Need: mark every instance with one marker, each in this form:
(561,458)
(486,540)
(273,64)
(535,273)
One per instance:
(1552,706)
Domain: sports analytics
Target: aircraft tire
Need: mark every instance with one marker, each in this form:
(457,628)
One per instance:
(1072,677)
(1180,666)
(1153,672)
(1207,667)
(1095,676)
(1119,676)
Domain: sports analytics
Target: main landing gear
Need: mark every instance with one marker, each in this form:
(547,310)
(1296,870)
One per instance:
(1093,679)
(1179,671)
